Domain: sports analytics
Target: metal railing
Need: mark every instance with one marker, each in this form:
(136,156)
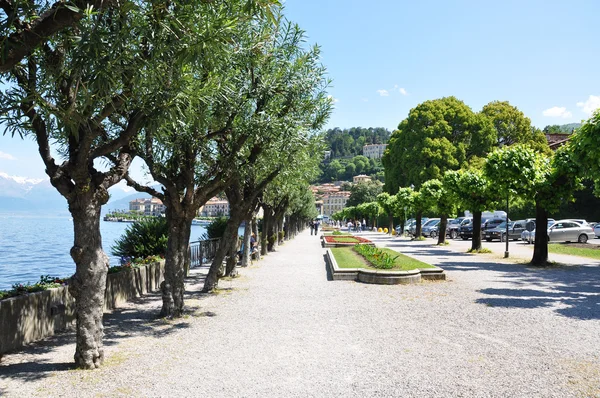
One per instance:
(203,251)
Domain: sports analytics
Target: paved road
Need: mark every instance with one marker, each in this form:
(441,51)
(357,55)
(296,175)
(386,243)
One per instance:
(494,329)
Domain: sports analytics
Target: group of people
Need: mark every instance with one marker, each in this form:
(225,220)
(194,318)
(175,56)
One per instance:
(314,227)
(357,225)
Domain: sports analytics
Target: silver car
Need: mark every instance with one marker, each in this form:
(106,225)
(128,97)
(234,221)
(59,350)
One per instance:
(570,231)
(597,230)
(430,228)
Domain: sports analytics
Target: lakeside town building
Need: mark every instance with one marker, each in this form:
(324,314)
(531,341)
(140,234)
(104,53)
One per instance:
(215,207)
(148,207)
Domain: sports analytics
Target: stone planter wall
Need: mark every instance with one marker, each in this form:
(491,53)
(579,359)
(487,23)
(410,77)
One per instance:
(35,316)
(382,277)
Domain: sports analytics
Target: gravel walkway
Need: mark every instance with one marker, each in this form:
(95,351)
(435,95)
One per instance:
(494,329)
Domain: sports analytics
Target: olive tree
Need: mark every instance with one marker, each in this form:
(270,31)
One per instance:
(86,102)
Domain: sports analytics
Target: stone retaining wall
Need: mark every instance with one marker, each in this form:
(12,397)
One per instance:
(382,277)
(35,316)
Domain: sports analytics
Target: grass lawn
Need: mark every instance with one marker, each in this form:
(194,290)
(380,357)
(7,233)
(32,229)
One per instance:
(559,248)
(348,258)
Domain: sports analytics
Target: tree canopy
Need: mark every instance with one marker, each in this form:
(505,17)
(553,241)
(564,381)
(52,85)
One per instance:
(436,136)
(513,127)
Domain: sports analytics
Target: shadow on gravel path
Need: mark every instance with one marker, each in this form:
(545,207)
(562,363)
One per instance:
(573,290)
(139,316)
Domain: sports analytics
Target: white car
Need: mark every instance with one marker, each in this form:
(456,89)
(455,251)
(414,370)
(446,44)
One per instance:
(570,231)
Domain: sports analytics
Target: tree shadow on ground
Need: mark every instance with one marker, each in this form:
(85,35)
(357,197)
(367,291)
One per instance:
(574,291)
(140,316)
(570,290)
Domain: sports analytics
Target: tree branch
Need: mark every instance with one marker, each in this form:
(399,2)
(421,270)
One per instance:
(133,126)
(22,43)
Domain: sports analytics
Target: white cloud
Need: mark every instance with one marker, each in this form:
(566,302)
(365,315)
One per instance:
(7,156)
(557,111)
(335,100)
(403,91)
(589,106)
(384,93)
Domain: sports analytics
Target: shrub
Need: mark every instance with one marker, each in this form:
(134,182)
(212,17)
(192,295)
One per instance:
(281,235)
(45,282)
(142,239)
(127,263)
(216,229)
(376,257)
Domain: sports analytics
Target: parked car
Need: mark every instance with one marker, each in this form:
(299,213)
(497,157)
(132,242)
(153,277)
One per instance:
(452,227)
(412,228)
(579,221)
(528,236)
(597,230)
(465,231)
(570,231)
(514,231)
(490,223)
(430,228)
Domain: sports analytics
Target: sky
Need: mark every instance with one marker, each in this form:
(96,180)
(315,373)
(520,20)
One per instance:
(386,56)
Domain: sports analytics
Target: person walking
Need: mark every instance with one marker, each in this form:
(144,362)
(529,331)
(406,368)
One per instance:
(316,226)
(312,227)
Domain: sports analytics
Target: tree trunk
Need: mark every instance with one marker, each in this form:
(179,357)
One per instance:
(540,247)
(266,230)
(280,229)
(442,229)
(212,279)
(89,282)
(418,226)
(247,249)
(231,264)
(391,223)
(255,231)
(173,287)
(476,239)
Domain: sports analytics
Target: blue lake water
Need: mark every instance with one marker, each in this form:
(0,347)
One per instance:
(31,246)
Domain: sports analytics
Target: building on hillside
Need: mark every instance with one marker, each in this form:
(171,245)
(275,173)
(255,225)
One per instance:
(148,207)
(215,207)
(374,151)
(322,189)
(555,141)
(361,178)
(334,202)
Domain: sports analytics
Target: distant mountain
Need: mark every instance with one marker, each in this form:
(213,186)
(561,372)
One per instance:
(31,195)
(24,194)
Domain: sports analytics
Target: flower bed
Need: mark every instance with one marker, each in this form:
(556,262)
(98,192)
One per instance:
(344,240)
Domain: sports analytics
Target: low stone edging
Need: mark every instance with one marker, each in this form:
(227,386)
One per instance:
(35,316)
(382,277)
